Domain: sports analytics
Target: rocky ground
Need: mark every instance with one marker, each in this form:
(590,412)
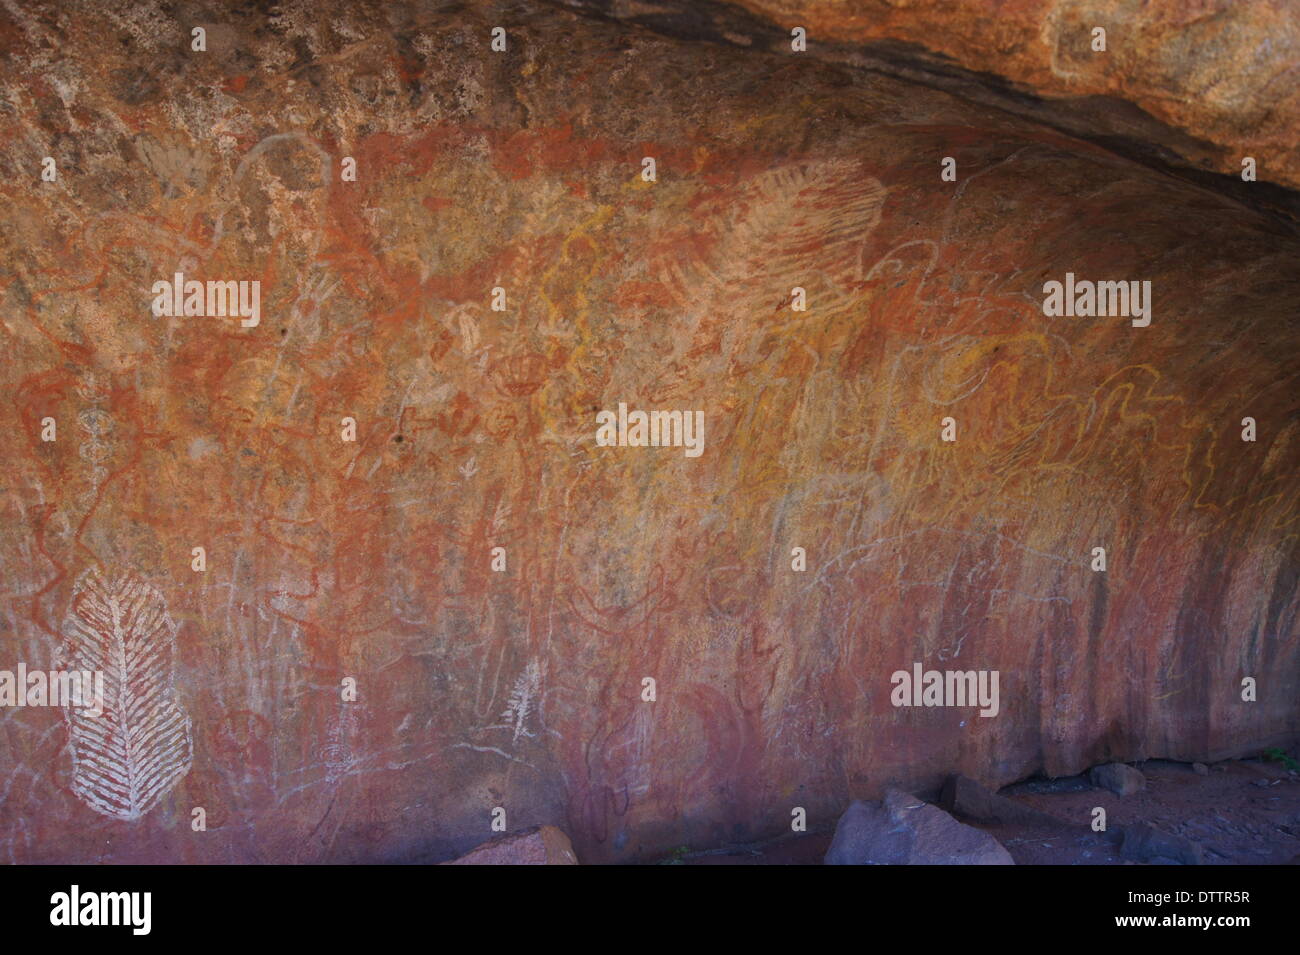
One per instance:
(1241,812)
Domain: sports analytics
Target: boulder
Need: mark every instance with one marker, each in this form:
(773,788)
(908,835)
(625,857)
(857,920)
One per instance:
(1120,779)
(1145,843)
(1200,769)
(905,830)
(540,845)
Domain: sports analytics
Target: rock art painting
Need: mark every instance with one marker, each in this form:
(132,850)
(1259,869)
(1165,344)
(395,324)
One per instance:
(126,758)
(362,580)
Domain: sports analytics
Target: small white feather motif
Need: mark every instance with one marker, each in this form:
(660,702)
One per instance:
(139,747)
(522,701)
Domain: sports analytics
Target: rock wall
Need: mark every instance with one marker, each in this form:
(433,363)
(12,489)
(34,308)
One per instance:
(1221,71)
(372,560)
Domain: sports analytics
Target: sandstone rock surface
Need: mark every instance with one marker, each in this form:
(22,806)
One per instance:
(1222,71)
(372,560)
(966,798)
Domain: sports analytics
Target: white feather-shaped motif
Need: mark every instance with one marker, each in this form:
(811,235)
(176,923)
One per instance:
(139,747)
(522,701)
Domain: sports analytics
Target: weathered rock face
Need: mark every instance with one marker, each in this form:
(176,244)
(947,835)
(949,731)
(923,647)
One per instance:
(968,799)
(1221,71)
(328,560)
